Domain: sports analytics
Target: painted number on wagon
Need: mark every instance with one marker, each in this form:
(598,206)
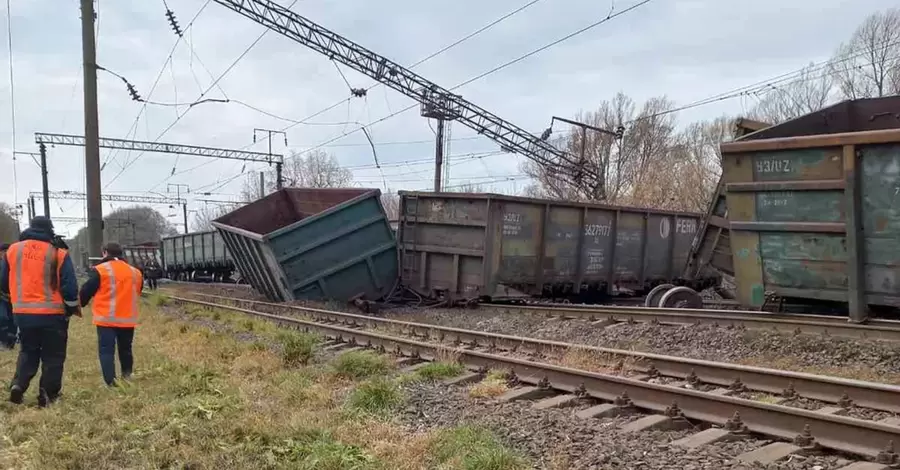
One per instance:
(592,230)
(774,166)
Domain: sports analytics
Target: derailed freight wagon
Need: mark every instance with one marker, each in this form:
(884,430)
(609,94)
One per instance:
(710,253)
(197,257)
(814,208)
(489,246)
(314,244)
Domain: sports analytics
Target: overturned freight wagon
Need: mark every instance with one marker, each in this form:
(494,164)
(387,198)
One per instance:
(465,246)
(197,257)
(314,244)
(814,208)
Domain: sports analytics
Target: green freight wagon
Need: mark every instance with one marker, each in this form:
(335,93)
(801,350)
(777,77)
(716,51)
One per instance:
(314,244)
(814,208)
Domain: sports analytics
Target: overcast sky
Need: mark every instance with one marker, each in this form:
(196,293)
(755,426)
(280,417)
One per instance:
(687,50)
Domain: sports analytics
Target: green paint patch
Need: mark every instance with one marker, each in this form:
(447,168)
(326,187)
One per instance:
(757,294)
(360,365)
(473,448)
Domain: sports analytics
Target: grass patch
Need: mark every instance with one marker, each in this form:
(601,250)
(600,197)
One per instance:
(473,448)
(318,450)
(493,385)
(593,361)
(378,397)
(157,299)
(434,371)
(297,348)
(188,407)
(360,365)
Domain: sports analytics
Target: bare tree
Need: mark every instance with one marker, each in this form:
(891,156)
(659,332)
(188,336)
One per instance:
(317,169)
(811,91)
(209,212)
(390,200)
(468,187)
(868,65)
(129,226)
(9,226)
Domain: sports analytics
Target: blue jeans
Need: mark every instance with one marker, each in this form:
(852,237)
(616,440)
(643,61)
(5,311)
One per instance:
(107,340)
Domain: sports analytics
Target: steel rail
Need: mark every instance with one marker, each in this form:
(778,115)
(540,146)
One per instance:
(789,384)
(840,433)
(822,324)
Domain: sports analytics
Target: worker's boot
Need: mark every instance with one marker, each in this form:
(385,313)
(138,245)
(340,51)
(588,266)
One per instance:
(43,398)
(16,394)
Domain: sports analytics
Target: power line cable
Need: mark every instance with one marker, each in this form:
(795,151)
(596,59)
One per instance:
(761,85)
(12,102)
(179,117)
(130,134)
(496,69)
(347,100)
(420,61)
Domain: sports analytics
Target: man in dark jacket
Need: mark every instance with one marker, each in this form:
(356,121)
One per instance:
(152,272)
(8,331)
(39,280)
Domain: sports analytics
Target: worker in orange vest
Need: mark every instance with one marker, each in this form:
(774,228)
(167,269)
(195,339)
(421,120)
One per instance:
(115,286)
(38,278)
(9,332)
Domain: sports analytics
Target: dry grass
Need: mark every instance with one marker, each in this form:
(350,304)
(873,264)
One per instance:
(203,400)
(586,359)
(493,385)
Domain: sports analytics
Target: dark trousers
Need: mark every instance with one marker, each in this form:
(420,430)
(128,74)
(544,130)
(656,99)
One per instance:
(43,346)
(107,340)
(8,329)
(151,281)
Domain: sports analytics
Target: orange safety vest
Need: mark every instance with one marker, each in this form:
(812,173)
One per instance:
(116,301)
(30,267)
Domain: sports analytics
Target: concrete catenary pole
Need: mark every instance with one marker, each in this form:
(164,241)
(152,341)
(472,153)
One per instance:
(91,130)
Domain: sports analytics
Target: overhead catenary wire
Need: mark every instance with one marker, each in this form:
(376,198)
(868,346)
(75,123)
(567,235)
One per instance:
(494,70)
(423,60)
(347,100)
(131,132)
(180,116)
(788,77)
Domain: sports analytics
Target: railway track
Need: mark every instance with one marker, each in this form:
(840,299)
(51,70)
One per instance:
(702,390)
(888,330)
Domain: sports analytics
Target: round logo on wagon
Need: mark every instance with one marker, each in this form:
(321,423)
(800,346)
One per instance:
(664,227)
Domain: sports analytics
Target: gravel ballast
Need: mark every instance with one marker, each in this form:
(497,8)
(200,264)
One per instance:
(860,359)
(557,439)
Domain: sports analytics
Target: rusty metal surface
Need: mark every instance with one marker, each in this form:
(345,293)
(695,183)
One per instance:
(848,116)
(819,222)
(851,435)
(474,245)
(888,330)
(303,243)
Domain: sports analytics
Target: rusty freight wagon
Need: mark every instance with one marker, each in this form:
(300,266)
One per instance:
(314,244)
(489,246)
(814,208)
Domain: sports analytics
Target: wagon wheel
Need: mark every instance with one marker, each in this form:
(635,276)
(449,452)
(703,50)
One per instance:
(681,297)
(656,294)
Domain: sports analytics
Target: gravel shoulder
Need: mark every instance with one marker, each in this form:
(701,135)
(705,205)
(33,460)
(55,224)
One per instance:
(557,439)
